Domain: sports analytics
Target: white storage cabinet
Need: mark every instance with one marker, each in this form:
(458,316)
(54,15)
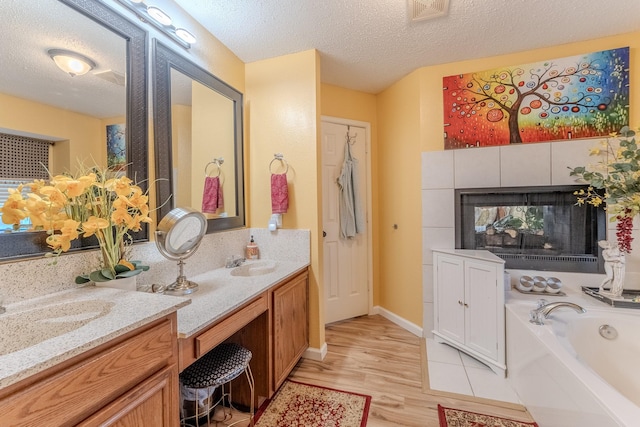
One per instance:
(469,304)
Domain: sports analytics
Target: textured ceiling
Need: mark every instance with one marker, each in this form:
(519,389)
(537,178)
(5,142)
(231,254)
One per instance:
(33,27)
(369,44)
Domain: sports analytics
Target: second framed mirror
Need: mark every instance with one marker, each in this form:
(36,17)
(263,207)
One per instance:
(198,141)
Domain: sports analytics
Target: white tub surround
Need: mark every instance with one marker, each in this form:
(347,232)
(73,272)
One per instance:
(521,165)
(564,372)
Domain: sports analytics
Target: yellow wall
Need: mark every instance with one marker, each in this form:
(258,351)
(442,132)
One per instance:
(400,202)
(86,135)
(410,122)
(354,105)
(282,108)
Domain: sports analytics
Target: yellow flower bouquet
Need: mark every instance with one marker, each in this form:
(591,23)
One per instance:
(91,204)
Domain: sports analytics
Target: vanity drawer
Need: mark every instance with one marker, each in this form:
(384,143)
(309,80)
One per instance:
(227,327)
(68,396)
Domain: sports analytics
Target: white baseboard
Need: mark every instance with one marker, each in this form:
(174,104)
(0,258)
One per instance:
(403,323)
(317,354)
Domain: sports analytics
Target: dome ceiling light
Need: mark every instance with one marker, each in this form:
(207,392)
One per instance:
(70,62)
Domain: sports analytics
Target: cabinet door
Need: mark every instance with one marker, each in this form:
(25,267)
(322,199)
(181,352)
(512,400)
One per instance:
(481,317)
(154,403)
(290,326)
(449,283)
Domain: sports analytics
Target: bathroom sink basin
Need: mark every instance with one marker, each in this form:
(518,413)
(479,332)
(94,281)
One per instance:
(30,327)
(254,269)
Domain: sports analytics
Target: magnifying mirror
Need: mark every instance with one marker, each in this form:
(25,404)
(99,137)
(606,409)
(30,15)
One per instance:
(178,236)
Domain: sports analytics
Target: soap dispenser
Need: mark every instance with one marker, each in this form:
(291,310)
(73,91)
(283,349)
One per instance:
(252,250)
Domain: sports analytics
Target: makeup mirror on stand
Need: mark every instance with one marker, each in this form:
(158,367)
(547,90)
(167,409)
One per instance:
(178,236)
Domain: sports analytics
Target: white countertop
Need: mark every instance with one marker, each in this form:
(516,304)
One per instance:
(219,293)
(41,332)
(65,324)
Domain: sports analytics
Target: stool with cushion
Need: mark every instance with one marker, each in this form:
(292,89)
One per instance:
(215,369)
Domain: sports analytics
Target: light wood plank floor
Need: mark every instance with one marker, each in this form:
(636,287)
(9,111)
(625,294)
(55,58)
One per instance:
(373,356)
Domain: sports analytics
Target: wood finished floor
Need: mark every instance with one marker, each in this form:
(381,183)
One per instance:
(373,356)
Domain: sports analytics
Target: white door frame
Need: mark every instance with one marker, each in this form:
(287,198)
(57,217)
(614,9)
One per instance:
(367,126)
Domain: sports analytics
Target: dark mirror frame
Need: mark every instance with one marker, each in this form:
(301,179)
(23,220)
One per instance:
(165,59)
(15,246)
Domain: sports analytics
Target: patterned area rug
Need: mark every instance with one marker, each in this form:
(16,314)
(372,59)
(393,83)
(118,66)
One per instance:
(305,405)
(450,417)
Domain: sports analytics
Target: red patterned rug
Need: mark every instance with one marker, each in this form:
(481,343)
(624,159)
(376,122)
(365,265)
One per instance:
(305,405)
(450,417)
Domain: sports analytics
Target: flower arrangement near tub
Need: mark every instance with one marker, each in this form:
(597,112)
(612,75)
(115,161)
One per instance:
(92,203)
(614,183)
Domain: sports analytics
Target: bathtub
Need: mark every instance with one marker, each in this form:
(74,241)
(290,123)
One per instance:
(567,374)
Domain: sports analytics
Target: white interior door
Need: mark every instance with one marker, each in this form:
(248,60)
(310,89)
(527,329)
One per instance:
(346,289)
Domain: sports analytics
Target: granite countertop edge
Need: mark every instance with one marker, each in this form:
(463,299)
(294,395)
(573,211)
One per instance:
(220,294)
(121,318)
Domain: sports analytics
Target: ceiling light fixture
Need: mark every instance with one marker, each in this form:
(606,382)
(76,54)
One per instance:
(159,19)
(185,35)
(70,62)
(159,15)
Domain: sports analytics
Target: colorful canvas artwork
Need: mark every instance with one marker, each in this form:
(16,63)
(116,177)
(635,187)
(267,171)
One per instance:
(116,148)
(575,97)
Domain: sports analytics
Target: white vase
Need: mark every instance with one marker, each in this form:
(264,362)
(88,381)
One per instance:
(125,283)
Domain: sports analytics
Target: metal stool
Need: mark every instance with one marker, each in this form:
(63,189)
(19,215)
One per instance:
(199,381)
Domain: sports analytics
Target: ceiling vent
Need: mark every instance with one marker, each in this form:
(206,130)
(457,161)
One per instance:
(419,10)
(111,76)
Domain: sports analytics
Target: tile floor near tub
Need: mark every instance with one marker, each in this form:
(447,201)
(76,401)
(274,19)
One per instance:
(455,372)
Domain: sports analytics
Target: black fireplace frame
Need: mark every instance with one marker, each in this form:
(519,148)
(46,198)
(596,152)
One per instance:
(589,262)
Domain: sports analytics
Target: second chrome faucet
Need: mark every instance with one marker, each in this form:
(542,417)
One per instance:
(542,312)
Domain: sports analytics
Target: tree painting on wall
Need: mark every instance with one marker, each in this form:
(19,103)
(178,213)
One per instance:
(116,148)
(575,97)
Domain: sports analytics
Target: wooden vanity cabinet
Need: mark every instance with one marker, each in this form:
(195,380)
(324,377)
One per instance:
(290,320)
(130,381)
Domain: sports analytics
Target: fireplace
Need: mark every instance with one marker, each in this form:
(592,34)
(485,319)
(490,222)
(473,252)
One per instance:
(532,228)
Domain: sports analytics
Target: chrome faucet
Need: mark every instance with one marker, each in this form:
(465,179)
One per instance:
(542,312)
(234,261)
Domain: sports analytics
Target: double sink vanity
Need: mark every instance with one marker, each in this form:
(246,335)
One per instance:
(90,356)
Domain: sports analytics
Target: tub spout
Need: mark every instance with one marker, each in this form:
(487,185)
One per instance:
(538,315)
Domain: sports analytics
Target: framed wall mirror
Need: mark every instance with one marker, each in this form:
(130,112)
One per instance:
(198,141)
(77,115)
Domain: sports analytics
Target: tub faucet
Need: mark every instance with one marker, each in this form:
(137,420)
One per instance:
(539,314)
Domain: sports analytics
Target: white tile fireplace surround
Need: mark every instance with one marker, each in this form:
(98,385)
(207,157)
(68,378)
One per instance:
(539,164)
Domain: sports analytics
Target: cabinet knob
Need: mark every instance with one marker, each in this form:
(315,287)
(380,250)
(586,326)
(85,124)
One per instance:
(466,305)
(460,302)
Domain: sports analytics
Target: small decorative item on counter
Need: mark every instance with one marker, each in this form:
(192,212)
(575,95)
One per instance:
(525,284)
(252,250)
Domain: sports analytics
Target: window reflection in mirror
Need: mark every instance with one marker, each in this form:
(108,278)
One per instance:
(202,142)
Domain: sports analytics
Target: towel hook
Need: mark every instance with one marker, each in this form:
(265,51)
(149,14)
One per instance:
(280,157)
(216,162)
(351,140)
